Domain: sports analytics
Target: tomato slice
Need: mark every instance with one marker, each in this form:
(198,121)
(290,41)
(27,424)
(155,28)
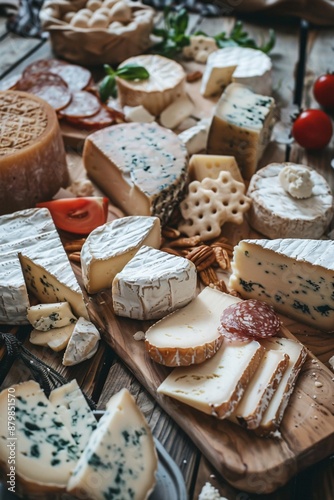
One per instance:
(78,215)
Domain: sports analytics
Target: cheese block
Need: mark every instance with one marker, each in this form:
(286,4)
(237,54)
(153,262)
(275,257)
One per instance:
(243,65)
(297,354)
(195,138)
(109,247)
(202,166)
(32,258)
(142,167)
(189,335)
(32,155)
(216,386)
(165,83)
(241,127)
(177,112)
(44,450)
(57,339)
(199,48)
(152,284)
(44,317)
(82,344)
(120,460)
(261,389)
(72,407)
(296,276)
(137,114)
(277,214)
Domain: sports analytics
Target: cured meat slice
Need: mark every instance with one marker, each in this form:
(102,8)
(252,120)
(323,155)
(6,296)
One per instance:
(102,118)
(82,105)
(43,66)
(76,77)
(52,88)
(249,319)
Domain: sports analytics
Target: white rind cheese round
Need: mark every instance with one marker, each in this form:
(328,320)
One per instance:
(277,214)
(165,84)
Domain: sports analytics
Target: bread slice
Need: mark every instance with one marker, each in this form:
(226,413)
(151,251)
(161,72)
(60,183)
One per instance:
(189,335)
(274,414)
(261,389)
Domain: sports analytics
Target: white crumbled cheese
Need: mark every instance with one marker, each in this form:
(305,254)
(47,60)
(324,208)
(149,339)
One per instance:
(209,492)
(200,48)
(296,180)
(139,336)
(82,187)
(331,362)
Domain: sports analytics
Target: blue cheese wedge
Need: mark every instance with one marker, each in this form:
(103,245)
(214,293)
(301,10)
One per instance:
(153,284)
(120,459)
(109,247)
(44,317)
(57,338)
(142,167)
(83,343)
(296,276)
(45,451)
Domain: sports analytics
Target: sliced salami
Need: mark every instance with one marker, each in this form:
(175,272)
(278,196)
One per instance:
(234,337)
(101,119)
(43,66)
(47,86)
(76,77)
(250,319)
(83,105)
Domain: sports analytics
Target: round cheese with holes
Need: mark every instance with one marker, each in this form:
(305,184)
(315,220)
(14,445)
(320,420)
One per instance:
(32,155)
(276,213)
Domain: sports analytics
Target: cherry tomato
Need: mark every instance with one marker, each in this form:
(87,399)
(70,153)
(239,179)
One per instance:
(323,90)
(78,215)
(312,129)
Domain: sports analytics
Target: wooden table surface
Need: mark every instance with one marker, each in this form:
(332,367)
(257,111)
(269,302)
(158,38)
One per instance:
(105,373)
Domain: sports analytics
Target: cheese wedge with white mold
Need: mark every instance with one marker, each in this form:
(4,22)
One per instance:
(202,166)
(109,248)
(195,138)
(57,338)
(261,389)
(274,414)
(82,344)
(296,276)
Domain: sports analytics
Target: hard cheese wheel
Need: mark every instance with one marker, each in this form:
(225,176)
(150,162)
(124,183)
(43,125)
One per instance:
(32,156)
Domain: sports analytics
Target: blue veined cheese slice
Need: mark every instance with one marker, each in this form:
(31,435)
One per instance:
(142,167)
(32,258)
(45,317)
(296,276)
(83,343)
(44,450)
(153,284)
(109,247)
(241,127)
(120,459)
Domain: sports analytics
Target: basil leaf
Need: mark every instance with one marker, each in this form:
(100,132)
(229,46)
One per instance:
(133,72)
(108,69)
(267,47)
(107,88)
(180,21)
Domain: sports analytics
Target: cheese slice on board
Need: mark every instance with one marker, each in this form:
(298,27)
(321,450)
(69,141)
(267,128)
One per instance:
(109,247)
(120,460)
(57,338)
(241,127)
(296,276)
(32,258)
(142,167)
(45,317)
(82,344)
(153,284)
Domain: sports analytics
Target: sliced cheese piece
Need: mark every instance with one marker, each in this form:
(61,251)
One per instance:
(152,284)
(109,247)
(138,114)
(261,389)
(277,214)
(176,112)
(31,146)
(44,317)
(45,452)
(82,344)
(275,411)
(142,167)
(241,127)
(189,335)
(75,413)
(200,48)
(32,257)
(195,138)
(57,338)
(243,65)
(216,386)
(165,83)
(120,460)
(202,166)
(296,276)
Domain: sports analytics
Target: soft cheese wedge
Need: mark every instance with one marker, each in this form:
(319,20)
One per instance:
(153,284)
(216,386)
(195,138)
(296,276)
(261,389)
(109,247)
(57,339)
(45,452)
(189,335)
(83,343)
(120,460)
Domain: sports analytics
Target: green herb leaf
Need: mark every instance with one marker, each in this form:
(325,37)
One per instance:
(127,72)
(108,69)
(132,72)
(173,34)
(267,47)
(107,88)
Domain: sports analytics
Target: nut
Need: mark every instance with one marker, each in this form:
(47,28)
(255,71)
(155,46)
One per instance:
(221,286)
(170,232)
(202,256)
(221,257)
(74,246)
(186,242)
(194,76)
(74,257)
(209,276)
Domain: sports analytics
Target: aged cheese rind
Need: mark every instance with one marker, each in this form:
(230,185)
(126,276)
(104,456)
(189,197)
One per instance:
(120,460)
(32,155)
(82,344)
(153,284)
(32,257)
(277,214)
(142,167)
(109,247)
(241,127)
(296,276)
